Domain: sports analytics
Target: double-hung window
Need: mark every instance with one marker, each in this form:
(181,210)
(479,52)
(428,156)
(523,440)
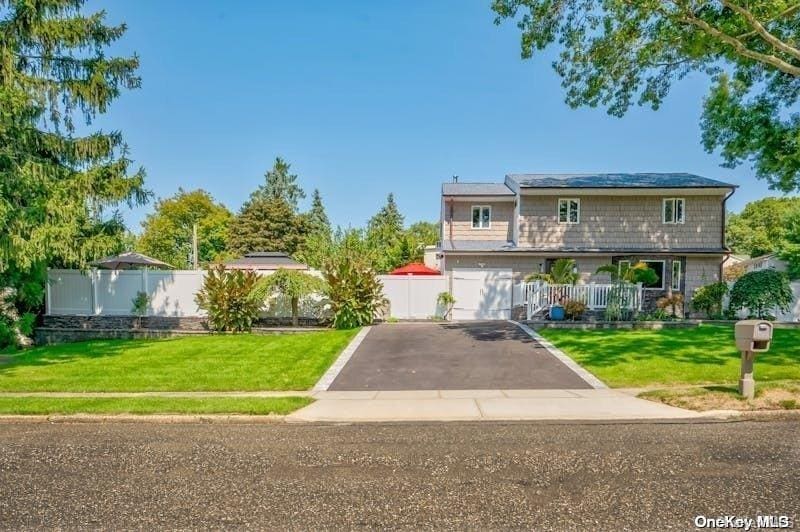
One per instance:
(481,217)
(672,211)
(569,210)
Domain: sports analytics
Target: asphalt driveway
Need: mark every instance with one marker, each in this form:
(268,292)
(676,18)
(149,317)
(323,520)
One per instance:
(490,355)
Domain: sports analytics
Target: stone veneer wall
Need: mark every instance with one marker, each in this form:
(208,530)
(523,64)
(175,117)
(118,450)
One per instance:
(62,328)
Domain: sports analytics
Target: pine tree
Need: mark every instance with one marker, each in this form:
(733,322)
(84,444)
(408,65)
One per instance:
(281,184)
(317,217)
(56,187)
(267,224)
(59,190)
(384,234)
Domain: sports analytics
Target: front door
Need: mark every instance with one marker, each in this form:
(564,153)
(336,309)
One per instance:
(482,294)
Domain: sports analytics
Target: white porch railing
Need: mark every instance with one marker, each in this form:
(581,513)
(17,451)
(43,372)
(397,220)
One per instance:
(539,295)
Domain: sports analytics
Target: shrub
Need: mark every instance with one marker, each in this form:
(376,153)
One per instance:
(708,299)
(446,301)
(230,299)
(563,271)
(671,302)
(574,309)
(354,289)
(762,291)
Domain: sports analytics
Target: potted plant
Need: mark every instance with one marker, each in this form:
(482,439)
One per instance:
(139,308)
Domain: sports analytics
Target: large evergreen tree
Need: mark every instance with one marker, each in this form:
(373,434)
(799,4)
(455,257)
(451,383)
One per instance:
(281,184)
(267,224)
(317,217)
(168,231)
(385,234)
(58,188)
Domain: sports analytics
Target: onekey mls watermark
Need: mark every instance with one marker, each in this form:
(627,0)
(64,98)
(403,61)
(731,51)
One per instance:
(744,523)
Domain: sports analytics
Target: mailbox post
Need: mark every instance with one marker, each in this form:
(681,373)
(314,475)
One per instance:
(752,337)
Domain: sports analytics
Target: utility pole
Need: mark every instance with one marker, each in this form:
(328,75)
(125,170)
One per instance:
(194,247)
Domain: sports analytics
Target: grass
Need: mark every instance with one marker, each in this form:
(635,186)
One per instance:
(702,355)
(152,405)
(243,362)
(768,396)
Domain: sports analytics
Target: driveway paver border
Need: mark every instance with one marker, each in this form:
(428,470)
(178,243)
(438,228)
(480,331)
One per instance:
(590,379)
(327,379)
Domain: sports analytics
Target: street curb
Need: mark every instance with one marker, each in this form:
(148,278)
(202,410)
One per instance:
(167,419)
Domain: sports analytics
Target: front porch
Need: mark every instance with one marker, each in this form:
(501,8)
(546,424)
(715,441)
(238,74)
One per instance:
(540,296)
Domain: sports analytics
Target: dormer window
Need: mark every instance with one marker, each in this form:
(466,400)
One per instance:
(569,210)
(481,216)
(673,211)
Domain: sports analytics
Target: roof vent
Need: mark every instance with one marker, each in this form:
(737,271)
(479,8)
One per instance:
(455,179)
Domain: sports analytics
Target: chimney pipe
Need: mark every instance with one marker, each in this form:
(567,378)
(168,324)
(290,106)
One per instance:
(455,179)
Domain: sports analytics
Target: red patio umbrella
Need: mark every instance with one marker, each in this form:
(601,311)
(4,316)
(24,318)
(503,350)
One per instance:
(415,268)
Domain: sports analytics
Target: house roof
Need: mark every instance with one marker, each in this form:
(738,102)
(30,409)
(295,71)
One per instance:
(265,260)
(639,180)
(415,268)
(476,189)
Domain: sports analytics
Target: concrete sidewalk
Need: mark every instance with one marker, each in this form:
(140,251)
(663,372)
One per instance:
(476,405)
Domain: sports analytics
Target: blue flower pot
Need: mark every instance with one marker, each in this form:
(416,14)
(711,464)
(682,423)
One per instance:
(557,313)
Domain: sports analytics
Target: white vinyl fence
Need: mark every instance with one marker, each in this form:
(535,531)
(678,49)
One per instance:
(792,315)
(413,296)
(111,292)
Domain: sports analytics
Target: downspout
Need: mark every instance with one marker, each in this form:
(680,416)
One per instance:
(722,230)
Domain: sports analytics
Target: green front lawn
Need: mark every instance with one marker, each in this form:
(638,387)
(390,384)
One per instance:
(242,362)
(702,355)
(152,405)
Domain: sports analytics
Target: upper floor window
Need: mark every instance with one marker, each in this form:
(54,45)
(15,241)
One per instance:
(569,210)
(673,211)
(481,217)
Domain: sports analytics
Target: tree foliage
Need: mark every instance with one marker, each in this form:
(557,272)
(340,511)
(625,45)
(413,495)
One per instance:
(267,224)
(761,227)
(385,235)
(790,249)
(167,232)
(562,272)
(280,184)
(708,299)
(619,53)
(293,284)
(56,186)
(638,272)
(355,292)
(230,299)
(761,292)
(318,221)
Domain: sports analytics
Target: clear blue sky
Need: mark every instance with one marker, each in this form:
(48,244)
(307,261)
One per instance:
(366,98)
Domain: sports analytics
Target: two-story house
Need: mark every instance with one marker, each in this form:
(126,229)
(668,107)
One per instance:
(494,234)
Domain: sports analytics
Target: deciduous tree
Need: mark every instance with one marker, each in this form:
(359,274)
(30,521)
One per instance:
(619,53)
(168,231)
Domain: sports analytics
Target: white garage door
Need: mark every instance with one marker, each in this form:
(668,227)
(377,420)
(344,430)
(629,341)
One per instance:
(482,294)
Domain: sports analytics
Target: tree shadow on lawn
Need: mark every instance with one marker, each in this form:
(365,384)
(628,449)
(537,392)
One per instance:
(705,345)
(64,353)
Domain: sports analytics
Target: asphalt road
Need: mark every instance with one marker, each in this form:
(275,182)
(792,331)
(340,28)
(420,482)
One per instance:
(478,476)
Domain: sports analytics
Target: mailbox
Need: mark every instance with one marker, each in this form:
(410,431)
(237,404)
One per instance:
(753,336)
